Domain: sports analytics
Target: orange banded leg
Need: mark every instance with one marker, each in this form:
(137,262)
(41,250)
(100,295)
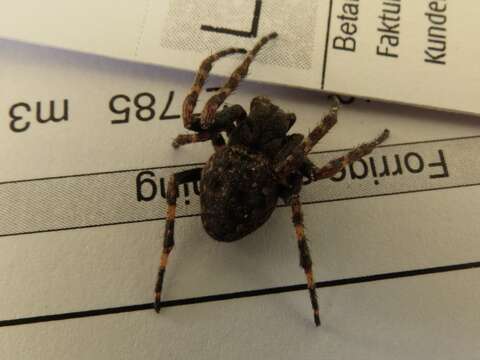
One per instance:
(218,141)
(208,113)
(169,239)
(338,164)
(297,155)
(321,130)
(305,259)
(184,139)
(200,78)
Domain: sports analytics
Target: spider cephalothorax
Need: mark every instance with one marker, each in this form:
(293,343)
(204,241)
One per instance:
(241,182)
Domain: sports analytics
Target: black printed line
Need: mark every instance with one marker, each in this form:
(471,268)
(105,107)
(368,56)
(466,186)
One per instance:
(241,294)
(101,173)
(253,30)
(279,206)
(325,54)
(422,142)
(222,30)
(200,164)
(256,18)
(390,194)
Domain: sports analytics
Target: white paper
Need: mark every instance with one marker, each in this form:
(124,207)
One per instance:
(421,53)
(74,237)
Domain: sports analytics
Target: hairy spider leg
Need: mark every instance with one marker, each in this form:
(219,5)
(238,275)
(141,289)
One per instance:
(297,155)
(218,141)
(225,120)
(184,139)
(321,130)
(169,235)
(338,164)
(305,259)
(208,113)
(200,78)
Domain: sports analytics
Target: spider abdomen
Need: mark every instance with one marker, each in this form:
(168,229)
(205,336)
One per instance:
(238,193)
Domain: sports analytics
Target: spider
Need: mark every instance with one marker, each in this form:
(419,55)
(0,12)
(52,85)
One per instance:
(242,181)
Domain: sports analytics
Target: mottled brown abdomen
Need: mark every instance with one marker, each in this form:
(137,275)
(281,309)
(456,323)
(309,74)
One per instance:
(238,193)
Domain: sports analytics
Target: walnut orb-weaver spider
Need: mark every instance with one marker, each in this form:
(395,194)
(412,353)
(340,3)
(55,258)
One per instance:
(242,181)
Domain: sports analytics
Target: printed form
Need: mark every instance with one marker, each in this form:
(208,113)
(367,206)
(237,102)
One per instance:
(86,151)
(417,52)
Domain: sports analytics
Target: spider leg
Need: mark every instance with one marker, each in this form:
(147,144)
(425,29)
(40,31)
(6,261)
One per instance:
(218,142)
(321,130)
(225,120)
(208,113)
(200,78)
(293,141)
(184,139)
(217,139)
(338,164)
(168,239)
(305,259)
(297,155)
